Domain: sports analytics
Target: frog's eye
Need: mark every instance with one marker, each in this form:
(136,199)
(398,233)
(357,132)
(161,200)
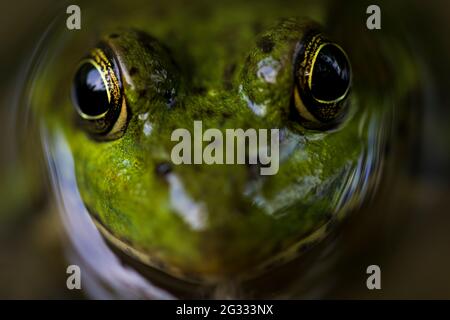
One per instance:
(322,81)
(97,94)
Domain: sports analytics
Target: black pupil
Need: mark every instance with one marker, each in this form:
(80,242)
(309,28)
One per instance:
(89,91)
(331,74)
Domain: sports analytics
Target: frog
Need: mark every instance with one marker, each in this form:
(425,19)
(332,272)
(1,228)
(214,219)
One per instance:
(115,97)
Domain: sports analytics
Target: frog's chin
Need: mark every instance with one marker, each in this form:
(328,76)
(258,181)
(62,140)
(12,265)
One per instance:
(157,263)
(152,261)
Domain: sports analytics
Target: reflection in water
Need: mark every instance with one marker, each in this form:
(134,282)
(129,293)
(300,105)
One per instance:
(192,213)
(103,274)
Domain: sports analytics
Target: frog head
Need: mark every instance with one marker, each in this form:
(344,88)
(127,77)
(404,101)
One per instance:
(117,90)
(209,221)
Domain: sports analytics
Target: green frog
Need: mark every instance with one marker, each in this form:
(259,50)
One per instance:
(115,91)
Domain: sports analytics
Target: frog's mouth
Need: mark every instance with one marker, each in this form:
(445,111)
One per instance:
(155,268)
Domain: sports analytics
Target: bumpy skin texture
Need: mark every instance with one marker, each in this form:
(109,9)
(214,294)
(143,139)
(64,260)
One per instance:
(204,62)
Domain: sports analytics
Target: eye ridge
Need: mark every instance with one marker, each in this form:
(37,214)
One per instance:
(87,97)
(320,91)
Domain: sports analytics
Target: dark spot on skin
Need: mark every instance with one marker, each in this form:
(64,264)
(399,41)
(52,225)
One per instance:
(133,71)
(266,44)
(209,112)
(228,75)
(226,115)
(114,36)
(142,93)
(163,169)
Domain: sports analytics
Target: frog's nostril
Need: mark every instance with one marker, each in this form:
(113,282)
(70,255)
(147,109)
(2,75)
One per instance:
(163,169)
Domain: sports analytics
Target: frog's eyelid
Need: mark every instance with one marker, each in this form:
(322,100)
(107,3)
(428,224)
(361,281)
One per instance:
(125,74)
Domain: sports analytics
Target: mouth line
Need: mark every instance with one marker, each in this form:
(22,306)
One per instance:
(150,261)
(154,268)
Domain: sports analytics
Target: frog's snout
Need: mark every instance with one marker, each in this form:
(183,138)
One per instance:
(227,228)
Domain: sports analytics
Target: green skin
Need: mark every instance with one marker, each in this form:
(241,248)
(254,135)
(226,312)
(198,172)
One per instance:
(210,55)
